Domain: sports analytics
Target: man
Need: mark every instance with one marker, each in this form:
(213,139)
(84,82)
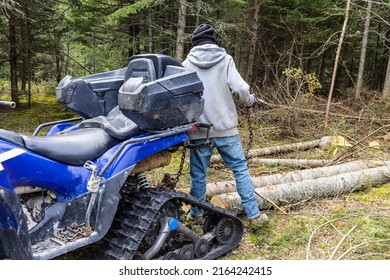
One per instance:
(223,89)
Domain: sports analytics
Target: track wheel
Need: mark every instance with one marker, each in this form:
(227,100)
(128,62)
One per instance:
(201,248)
(210,223)
(186,252)
(171,256)
(224,231)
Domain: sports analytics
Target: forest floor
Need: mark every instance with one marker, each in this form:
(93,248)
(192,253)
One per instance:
(353,226)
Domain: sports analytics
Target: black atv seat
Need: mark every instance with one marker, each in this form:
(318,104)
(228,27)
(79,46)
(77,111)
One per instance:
(73,147)
(141,67)
(115,124)
(150,66)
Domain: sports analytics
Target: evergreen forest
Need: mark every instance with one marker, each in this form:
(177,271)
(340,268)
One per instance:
(280,47)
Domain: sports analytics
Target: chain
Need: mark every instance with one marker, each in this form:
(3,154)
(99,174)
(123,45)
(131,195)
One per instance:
(72,232)
(168,181)
(182,160)
(174,182)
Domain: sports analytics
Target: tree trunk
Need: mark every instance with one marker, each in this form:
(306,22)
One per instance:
(23,75)
(29,69)
(29,58)
(198,11)
(296,192)
(67,56)
(324,141)
(57,55)
(359,82)
(386,87)
(134,43)
(295,163)
(181,26)
(217,188)
(13,58)
(253,43)
(150,31)
(336,62)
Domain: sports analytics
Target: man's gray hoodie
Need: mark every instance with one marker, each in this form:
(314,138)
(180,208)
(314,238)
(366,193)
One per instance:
(223,89)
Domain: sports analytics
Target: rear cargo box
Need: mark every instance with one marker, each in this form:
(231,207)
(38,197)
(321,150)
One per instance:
(171,100)
(91,96)
(155,91)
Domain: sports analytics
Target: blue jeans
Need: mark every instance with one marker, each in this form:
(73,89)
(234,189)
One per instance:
(231,151)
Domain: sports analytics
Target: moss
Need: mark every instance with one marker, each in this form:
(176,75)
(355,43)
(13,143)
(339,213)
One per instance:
(377,196)
(376,227)
(44,108)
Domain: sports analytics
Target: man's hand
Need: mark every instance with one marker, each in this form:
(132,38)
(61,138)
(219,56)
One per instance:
(253,105)
(260,103)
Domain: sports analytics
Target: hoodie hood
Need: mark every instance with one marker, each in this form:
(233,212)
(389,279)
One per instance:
(206,56)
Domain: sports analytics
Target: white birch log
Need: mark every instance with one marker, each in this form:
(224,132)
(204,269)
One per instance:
(322,142)
(287,162)
(216,188)
(291,193)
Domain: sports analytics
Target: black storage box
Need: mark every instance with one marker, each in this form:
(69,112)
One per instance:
(168,101)
(155,91)
(91,96)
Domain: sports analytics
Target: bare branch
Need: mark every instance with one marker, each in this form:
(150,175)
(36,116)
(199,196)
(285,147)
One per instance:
(10,6)
(341,242)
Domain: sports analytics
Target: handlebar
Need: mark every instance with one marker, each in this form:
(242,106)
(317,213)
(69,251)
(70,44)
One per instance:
(7,104)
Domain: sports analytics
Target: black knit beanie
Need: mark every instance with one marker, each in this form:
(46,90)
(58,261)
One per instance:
(203,34)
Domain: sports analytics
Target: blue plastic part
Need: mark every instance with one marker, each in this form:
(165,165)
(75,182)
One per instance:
(173,224)
(70,181)
(7,217)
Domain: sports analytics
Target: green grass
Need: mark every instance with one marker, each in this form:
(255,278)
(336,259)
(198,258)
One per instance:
(376,196)
(44,108)
(315,230)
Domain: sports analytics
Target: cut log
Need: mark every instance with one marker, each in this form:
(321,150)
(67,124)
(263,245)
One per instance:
(216,188)
(291,193)
(322,143)
(297,163)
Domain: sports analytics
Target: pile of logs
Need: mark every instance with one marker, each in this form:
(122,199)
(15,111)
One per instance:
(314,179)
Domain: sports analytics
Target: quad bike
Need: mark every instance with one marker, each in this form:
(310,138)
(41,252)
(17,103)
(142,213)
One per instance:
(83,181)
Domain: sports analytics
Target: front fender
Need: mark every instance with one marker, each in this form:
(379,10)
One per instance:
(14,235)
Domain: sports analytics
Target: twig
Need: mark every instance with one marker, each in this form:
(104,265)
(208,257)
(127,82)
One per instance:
(322,225)
(341,242)
(358,246)
(271,202)
(340,156)
(332,225)
(312,234)
(333,114)
(351,249)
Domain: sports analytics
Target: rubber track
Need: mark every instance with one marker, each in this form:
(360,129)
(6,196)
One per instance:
(139,209)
